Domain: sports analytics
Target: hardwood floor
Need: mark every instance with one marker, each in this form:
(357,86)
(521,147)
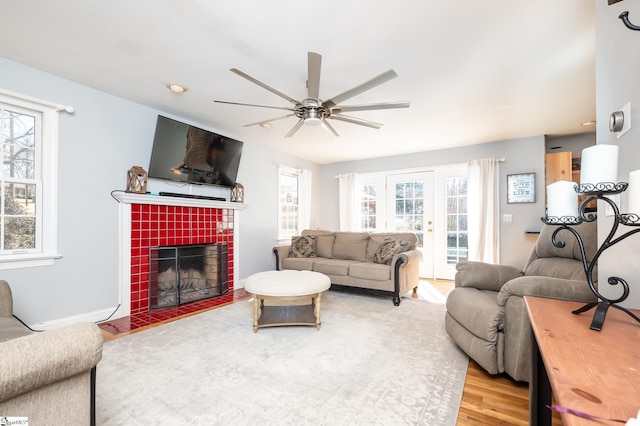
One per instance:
(486,399)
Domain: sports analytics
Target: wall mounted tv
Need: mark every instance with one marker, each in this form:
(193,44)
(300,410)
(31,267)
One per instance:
(186,153)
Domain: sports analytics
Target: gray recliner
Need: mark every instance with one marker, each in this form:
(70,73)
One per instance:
(486,315)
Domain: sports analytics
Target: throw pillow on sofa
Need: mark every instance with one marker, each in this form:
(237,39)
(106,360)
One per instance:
(303,246)
(389,248)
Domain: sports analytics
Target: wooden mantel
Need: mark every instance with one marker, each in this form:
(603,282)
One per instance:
(132,198)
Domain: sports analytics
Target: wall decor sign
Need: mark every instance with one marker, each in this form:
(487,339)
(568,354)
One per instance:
(521,188)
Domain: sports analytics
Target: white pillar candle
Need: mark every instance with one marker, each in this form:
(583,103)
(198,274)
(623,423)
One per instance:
(634,192)
(562,199)
(599,164)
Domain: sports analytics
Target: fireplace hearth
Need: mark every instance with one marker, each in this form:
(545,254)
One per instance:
(183,274)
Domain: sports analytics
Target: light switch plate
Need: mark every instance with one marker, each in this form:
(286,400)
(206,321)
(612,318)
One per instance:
(616,199)
(626,124)
(507,218)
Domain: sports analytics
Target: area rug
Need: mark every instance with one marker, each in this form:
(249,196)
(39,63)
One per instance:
(371,363)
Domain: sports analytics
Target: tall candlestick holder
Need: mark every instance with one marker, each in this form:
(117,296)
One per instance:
(600,191)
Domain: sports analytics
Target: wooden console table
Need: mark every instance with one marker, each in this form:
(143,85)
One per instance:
(593,372)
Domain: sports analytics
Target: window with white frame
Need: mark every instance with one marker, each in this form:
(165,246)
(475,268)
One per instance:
(370,199)
(456,212)
(288,202)
(29,138)
(368,207)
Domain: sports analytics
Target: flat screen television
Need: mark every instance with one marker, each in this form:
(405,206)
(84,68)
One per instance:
(186,153)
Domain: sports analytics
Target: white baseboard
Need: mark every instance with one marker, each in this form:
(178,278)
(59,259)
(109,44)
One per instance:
(94,316)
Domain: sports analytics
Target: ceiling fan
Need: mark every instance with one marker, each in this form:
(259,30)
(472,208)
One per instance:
(314,111)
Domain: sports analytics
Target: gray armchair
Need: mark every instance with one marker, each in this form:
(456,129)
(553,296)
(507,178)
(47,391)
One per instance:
(486,316)
(48,377)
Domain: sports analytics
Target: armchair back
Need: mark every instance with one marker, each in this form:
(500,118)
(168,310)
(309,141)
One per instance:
(566,262)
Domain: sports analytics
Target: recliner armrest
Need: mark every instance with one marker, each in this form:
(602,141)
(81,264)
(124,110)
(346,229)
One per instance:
(549,287)
(484,276)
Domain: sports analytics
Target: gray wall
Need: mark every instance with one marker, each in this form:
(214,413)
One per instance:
(522,156)
(617,71)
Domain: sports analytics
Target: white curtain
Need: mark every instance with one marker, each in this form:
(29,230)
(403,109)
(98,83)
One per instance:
(349,212)
(304,201)
(483,210)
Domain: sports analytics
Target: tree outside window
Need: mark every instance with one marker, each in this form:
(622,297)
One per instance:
(19,185)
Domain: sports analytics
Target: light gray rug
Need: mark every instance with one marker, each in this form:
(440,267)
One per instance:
(370,363)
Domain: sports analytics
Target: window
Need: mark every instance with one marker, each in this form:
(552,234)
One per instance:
(28,137)
(456,212)
(288,208)
(370,202)
(368,206)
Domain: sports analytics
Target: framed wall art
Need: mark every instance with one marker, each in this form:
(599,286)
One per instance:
(521,188)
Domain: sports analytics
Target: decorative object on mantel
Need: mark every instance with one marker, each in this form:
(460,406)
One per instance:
(137,180)
(237,193)
(597,191)
(625,17)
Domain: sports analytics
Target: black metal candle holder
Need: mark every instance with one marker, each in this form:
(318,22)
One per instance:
(599,191)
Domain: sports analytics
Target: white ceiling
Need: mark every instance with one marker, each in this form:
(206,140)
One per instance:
(474,71)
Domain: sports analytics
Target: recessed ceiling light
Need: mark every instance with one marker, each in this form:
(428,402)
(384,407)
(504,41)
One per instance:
(588,123)
(177,88)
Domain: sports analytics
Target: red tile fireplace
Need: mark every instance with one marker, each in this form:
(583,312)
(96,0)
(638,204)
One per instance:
(148,222)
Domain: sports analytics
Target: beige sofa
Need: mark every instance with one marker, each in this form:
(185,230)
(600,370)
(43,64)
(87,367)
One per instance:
(48,377)
(486,315)
(356,260)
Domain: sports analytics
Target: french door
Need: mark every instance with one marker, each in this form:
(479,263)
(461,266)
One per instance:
(410,208)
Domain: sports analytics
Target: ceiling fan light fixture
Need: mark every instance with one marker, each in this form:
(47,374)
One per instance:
(312,121)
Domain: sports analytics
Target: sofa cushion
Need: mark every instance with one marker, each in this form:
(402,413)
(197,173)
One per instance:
(376,240)
(324,241)
(389,248)
(303,246)
(370,271)
(350,246)
(333,266)
(299,263)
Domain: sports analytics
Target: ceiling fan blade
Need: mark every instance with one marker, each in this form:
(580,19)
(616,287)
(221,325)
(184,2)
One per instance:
(253,105)
(369,107)
(354,120)
(313,75)
(325,125)
(376,81)
(269,121)
(295,128)
(264,86)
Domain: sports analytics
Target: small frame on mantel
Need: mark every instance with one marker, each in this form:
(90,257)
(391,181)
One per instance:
(521,188)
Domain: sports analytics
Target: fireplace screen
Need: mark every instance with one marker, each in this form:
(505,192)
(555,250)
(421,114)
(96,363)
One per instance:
(183,274)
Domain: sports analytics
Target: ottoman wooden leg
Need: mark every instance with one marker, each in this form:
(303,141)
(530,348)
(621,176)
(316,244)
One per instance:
(317,310)
(256,308)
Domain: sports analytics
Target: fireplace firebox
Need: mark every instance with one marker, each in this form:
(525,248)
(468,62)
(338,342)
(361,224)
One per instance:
(183,274)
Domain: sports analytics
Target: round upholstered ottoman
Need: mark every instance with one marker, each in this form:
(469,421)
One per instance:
(285,290)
